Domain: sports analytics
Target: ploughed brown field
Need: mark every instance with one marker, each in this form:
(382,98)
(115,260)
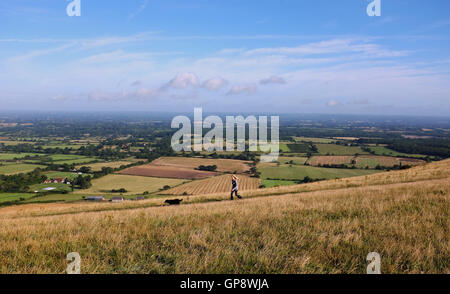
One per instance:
(171,172)
(223,165)
(219,184)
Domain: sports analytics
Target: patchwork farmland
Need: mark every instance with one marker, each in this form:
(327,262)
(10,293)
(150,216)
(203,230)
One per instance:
(187,168)
(212,185)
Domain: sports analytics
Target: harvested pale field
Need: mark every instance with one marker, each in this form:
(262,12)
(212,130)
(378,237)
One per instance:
(316,232)
(133,184)
(150,170)
(98,166)
(223,165)
(214,185)
(322,160)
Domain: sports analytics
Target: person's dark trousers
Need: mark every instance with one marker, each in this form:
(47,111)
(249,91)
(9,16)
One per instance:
(236,193)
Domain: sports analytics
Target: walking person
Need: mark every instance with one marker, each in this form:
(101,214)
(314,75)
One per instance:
(234,187)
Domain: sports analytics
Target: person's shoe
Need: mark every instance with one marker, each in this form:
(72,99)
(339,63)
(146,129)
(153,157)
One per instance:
(231,198)
(239,197)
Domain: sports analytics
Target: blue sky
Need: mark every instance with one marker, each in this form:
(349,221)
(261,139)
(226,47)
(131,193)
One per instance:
(301,56)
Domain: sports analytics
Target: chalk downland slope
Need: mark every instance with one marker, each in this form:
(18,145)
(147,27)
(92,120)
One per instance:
(323,227)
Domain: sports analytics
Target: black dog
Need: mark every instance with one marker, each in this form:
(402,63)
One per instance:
(173,202)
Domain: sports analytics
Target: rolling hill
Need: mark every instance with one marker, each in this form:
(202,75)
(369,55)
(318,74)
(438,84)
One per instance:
(321,227)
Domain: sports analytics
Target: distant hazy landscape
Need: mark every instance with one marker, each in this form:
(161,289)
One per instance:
(331,197)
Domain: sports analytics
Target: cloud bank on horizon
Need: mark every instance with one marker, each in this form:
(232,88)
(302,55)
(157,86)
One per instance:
(252,56)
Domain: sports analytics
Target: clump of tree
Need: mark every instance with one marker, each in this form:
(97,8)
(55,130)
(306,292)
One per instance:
(21,182)
(207,167)
(121,190)
(82,182)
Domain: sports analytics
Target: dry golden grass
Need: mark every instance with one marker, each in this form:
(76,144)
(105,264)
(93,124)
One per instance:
(402,215)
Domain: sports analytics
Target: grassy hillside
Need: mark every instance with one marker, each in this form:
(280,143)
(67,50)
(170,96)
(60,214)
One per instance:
(323,227)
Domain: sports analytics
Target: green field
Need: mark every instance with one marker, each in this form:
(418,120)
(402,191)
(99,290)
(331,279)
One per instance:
(14,143)
(11,156)
(314,140)
(380,150)
(299,148)
(333,149)
(68,198)
(62,146)
(78,161)
(61,157)
(275,183)
(12,169)
(55,198)
(58,187)
(298,172)
(57,174)
(7,197)
(296,160)
(283,147)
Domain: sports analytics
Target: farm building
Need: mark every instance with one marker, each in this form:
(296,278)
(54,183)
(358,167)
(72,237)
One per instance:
(96,198)
(117,199)
(54,181)
(57,181)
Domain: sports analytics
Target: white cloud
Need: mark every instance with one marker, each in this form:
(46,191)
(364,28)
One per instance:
(183,81)
(141,8)
(333,103)
(361,101)
(242,89)
(335,46)
(214,84)
(273,80)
